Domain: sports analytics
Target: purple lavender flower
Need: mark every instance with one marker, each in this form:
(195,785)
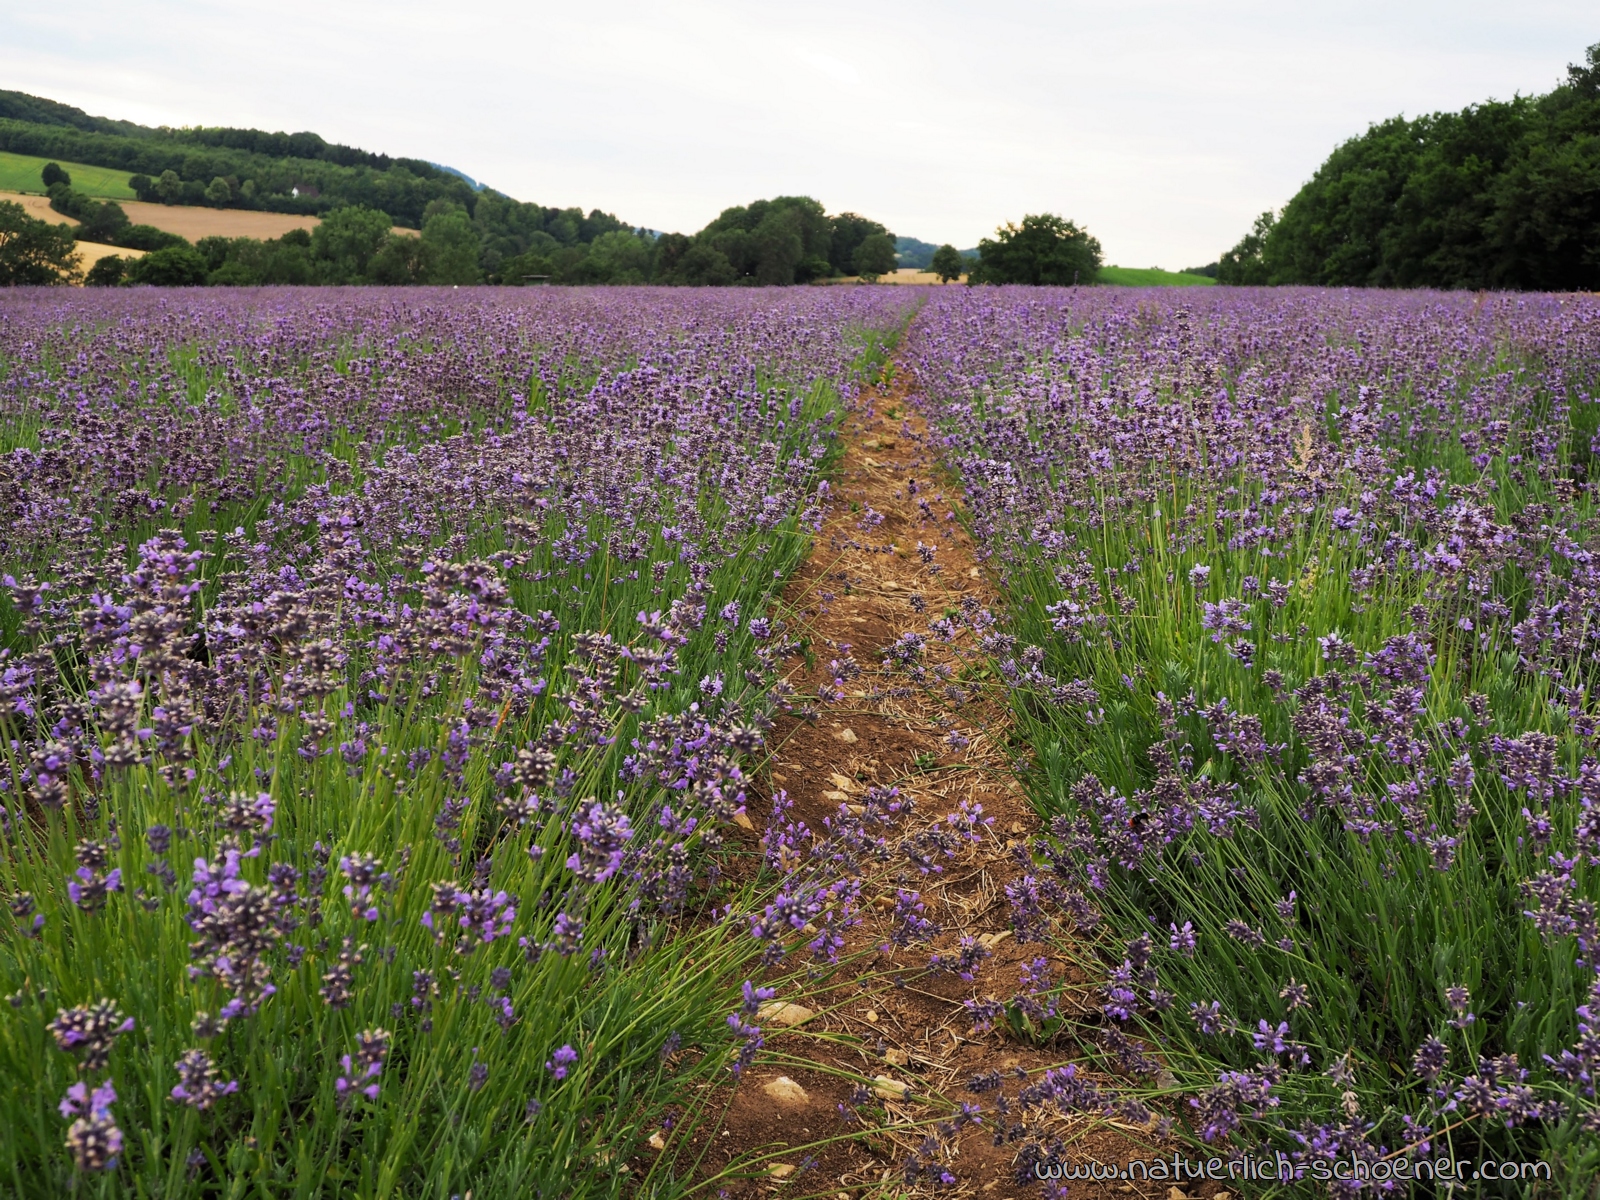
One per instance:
(364,872)
(93,1138)
(361,1069)
(559,1062)
(1240,932)
(603,832)
(89,1032)
(1183,940)
(198,1083)
(1430,1059)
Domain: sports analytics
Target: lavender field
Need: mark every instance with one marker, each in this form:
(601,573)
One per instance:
(384,675)
(381,672)
(1303,644)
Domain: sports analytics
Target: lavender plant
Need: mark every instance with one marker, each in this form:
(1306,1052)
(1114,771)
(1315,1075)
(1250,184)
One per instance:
(1302,650)
(365,783)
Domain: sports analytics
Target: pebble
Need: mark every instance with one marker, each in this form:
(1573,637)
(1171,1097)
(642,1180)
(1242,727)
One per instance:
(786,1091)
(889,1089)
(780,1013)
(845,735)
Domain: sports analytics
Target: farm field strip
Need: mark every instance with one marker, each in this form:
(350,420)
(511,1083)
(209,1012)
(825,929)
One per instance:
(1300,636)
(20,173)
(383,672)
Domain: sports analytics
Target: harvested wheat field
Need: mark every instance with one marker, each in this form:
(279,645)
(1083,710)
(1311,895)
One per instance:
(903,276)
(196,223)
(93,252)
(188,221)
(37,207)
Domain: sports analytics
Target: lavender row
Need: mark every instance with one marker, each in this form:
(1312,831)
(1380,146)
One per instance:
(381,672)
(1302,588)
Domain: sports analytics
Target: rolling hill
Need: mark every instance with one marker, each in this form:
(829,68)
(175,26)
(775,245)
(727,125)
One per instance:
(298,173)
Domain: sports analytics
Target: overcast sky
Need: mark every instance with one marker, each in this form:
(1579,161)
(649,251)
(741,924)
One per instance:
(1165,127)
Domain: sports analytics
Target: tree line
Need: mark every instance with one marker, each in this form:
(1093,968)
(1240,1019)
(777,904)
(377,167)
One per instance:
(786,240)
(1503,194)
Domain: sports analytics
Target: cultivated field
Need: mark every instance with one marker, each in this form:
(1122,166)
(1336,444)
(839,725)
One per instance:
(1151,277)
(1303,646)
(20,173)
(856,741)
(187,221)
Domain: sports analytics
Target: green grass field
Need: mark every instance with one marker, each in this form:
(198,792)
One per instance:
(20,173)
(1151,277)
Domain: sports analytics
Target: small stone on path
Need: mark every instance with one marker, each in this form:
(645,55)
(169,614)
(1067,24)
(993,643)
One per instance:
(845,735)
(889,1089)
(786,1091)
(787,1015)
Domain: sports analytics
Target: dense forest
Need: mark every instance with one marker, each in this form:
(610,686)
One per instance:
(1504,194)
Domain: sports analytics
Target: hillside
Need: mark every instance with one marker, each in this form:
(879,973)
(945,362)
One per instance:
(249,169)
(918,254)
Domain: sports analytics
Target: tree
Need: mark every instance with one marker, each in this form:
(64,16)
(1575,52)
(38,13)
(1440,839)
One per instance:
(849,231)
(874,256)
(53,174)
(169,188)
(616,257)
(1500,194)
(148,237)
(106,272)
(232,274)
(449,247)
(219,193)
(347,240)
(777,241)
(703,265)
(105,223)
(176,266)
(35,252)
(1044,249)
(1244,265)
(947,263)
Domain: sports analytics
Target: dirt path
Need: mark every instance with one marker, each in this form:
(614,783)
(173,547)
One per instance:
(882,1014)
